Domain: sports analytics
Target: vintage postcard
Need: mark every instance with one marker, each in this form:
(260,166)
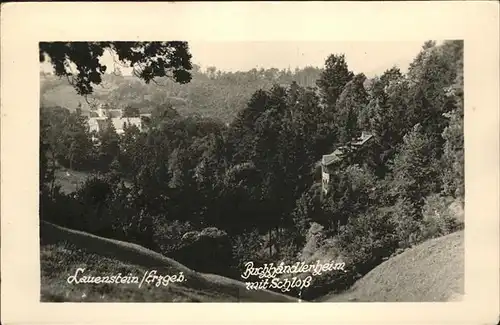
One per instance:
(339,156)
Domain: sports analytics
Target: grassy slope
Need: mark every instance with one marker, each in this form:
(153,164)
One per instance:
(64,96)
(70,180)
(63,251)
(431,271)
(57,91)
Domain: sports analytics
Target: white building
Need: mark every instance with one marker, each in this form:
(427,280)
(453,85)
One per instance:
(99,123)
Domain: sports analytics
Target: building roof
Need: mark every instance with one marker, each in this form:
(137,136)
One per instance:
(114,113)
(100,123)
(341,151)
(362,139)
(334,157)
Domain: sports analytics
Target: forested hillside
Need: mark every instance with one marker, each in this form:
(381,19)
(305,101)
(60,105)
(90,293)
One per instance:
(230,160)
(210,93)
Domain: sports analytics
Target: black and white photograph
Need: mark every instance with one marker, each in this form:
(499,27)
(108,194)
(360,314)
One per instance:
(209,162)
(295,172)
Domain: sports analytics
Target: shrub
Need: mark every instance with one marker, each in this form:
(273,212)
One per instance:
(439,217)
(248,247)
(105,209)
(288,251)
(325,250)
(168,233)
(58,208)
(207,251)
(101,206)
(307,209)
(367,240)
(315,239)
(363,243)
(352,192)
(407,221)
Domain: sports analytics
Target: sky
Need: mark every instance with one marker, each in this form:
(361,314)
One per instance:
(370,58)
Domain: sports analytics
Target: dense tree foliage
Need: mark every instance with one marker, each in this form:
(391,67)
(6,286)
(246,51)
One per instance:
(256,178)
(333,79)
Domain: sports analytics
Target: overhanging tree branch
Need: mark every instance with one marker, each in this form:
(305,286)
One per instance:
(155,59)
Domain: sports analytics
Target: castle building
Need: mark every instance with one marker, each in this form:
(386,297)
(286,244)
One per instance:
(98,120)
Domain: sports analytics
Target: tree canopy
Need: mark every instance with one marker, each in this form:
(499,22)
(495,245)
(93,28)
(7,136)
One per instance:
(148,59)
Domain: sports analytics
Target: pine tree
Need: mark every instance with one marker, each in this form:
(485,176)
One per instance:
(109,148)
(453,134)
(77,142)
(333,79)
(416,167)
(351,102)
